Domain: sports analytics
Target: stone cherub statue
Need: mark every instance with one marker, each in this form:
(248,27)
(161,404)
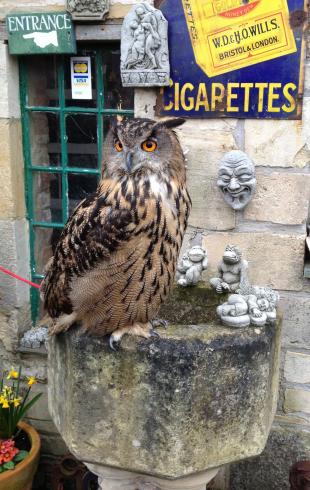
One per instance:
(236,179)
(253,305)
(232,271)
(193,263)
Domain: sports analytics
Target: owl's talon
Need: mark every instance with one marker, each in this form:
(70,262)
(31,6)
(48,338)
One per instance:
(159,322)
(114,343)
(154,335)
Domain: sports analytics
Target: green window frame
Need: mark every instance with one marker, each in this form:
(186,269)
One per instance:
(64,169)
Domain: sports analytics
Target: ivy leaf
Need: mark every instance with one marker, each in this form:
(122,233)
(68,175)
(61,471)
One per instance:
(20,456)
(8,466)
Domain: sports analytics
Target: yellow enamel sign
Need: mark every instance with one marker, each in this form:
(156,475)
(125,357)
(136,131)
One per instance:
(231,34)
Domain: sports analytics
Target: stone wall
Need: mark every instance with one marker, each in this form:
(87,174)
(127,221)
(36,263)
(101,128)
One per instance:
(271,232)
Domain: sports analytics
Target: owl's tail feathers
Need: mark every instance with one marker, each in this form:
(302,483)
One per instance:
(60,324)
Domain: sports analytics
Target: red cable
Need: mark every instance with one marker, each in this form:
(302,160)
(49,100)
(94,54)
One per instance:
(6,271)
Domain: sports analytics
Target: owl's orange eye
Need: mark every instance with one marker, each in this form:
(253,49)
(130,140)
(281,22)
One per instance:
(118,145)
(149,145)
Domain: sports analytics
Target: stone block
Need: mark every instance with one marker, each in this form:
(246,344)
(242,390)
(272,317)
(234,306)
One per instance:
(9,83)
(46,426)
(297,400)
(204,143)
(12,199)
(196,398)
(275,260)
(14,255)
(297,367)
(296,314)
(145,101)
(53,445)
(39,410)
(276,145)
(11,6)
(13,322)
(270,471)
(280,198)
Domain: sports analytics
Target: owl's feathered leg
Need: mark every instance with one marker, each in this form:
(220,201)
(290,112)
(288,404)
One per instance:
(141,329)
(62,323)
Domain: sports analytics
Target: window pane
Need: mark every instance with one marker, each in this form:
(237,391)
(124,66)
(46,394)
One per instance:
(42,80)
(82,140)
(80,186)
(115,95)
(45,243)
(68,92)
(47,197)
(45,139)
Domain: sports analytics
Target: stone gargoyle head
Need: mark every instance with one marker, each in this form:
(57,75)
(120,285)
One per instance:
(236,179)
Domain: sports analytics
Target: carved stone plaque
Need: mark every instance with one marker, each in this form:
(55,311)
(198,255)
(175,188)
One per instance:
(144,48)
(88,9)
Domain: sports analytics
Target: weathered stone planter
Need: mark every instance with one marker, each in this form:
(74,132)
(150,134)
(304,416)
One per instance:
(197,398)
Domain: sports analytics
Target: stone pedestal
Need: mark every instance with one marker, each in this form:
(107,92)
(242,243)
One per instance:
(112,479)
(199,397)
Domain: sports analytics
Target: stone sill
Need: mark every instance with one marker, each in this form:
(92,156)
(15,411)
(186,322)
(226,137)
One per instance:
(37,351)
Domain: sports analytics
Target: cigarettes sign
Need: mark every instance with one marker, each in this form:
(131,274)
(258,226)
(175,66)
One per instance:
(238,58)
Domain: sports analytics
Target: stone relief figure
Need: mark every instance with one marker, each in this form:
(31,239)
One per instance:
(88,9)
(193,262)
(232,271)
(236,179)
(253,305)
(144,48)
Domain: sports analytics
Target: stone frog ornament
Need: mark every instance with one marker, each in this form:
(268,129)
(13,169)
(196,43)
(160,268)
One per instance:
(232,271)
(236,179)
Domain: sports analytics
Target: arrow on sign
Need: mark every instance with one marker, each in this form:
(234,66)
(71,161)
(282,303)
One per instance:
(43,39)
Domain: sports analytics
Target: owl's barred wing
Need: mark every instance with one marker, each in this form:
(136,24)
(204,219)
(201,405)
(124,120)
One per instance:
(94,232)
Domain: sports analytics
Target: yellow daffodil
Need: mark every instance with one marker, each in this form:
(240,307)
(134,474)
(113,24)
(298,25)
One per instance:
(5,403)
(16,402)
(31,380)
(12,374)
(7,390)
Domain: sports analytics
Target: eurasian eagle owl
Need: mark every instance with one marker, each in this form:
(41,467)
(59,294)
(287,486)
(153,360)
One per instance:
(115,261)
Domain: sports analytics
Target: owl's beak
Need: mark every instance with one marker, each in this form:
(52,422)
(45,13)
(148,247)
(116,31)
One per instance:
(129,160)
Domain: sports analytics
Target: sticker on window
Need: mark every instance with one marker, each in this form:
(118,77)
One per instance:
(81,77)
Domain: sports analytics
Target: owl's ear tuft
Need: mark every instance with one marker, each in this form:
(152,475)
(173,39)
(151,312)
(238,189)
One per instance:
(170,123)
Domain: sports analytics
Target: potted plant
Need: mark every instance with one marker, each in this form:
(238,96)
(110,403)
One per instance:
(19,442)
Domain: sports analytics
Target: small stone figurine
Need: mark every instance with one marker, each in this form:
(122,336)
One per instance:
(253,305)
(193,263)
(232,271)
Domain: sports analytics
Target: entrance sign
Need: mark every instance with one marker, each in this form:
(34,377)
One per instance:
(81,77)
(41,33)
(239,58)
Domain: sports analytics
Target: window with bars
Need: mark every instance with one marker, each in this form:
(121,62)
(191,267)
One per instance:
(62,141)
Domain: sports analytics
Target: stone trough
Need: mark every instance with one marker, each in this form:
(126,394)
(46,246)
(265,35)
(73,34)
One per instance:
(166,412)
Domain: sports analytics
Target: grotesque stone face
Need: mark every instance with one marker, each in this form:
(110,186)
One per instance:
(236,179)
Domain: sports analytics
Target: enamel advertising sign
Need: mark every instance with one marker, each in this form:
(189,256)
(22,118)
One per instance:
(235,58)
